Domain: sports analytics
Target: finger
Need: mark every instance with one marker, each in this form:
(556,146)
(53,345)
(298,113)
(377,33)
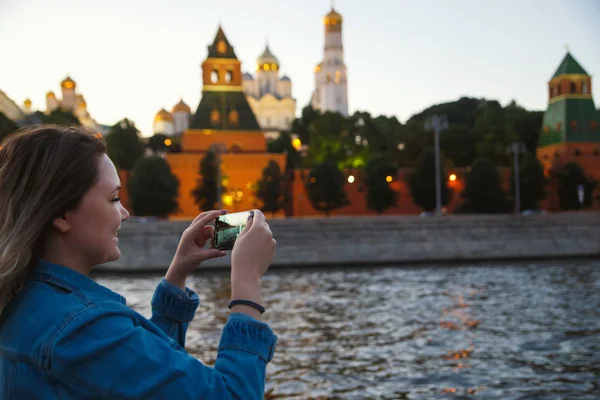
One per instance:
(211,253)
(248,224)
(208,232)
(202,220)
(203,214)
(258,219)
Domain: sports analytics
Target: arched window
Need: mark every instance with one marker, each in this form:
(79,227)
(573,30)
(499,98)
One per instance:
(214,76)
(215,117)
(558,89)
(573,87)
(584,87)
(234,118)
(228,76)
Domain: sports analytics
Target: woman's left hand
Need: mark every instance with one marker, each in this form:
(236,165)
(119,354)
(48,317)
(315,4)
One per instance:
(190,251)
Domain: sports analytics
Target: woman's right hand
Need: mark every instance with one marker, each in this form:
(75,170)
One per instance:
(251,257)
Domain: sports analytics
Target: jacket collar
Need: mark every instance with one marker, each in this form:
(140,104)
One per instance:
(70,279)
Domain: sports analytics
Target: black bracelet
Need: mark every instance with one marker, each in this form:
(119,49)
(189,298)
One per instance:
(246,303)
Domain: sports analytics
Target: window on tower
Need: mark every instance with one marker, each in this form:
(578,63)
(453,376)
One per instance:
(214,76)
(558,90)
(584,88)
(573,87)
(215,117)
(229,76)
(234,118)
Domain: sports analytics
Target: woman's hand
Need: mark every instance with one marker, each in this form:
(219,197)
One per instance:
(251,257)
(190,251)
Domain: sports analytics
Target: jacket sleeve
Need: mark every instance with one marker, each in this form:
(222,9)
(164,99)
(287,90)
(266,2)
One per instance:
(102,353)
(173,310)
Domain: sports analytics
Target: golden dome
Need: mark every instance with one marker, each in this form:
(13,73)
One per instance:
(163,115)
(50,95)
(267,61)
(68,83)
(27,103)
(333,18)
(181,107)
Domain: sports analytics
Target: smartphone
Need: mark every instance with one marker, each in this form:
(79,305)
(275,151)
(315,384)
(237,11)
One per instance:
(227,229)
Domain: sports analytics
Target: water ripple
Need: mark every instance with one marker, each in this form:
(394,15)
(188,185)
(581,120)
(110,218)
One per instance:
(498,332)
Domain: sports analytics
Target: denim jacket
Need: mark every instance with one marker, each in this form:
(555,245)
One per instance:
(66,337)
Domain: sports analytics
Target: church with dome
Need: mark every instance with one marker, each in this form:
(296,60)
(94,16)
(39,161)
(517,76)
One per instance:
(175,122)
(70,101)
(269,95)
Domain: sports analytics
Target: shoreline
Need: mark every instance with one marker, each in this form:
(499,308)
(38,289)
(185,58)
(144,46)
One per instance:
(496,262)
(383,241)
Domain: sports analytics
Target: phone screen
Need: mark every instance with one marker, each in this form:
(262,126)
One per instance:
(227,229)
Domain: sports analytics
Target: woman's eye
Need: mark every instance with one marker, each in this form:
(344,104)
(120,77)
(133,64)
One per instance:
(116,199)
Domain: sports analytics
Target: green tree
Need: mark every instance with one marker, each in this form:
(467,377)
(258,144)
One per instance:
(483,192)
(205,192)
(283,144)
(421,183)
(325,187)
(125,146)
(532,182)
(568,178)
(153,188)
(269,188)
(379,194)
(57,117)
(7,126)
(157,142)
(330,140)
(301,126)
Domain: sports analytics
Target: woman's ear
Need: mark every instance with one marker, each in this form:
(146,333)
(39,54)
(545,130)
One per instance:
(61,224)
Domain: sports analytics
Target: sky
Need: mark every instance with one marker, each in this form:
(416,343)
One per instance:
(130,58)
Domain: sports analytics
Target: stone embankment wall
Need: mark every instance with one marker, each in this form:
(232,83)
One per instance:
(396,240)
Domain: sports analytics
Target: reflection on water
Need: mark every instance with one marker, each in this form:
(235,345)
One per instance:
(505,332)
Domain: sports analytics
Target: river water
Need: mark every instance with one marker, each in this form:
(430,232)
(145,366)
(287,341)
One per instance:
(499,332)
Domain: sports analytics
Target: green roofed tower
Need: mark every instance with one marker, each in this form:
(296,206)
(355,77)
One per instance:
(571,116)
(571,127)
(570,130)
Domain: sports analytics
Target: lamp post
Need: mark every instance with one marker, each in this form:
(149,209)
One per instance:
(515,149)
(437,123)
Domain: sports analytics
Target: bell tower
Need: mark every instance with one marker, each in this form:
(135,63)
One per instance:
(331,86)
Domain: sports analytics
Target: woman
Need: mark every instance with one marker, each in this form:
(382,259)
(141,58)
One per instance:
(63,336)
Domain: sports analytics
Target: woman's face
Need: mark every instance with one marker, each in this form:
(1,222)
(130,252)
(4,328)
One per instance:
(93,225)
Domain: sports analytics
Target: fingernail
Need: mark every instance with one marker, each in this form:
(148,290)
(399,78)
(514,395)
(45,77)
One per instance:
(224,211)
(221,253)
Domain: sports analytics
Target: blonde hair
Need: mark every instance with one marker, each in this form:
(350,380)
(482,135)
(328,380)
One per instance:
(44,172)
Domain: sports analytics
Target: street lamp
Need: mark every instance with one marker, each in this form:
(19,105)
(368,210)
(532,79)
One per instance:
(437,123)
(516,148)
